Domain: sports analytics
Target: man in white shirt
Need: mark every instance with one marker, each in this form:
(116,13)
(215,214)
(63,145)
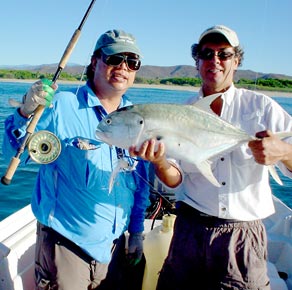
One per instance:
(219,239)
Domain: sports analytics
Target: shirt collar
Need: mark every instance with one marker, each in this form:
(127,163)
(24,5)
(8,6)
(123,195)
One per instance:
(227,96)
(93,101)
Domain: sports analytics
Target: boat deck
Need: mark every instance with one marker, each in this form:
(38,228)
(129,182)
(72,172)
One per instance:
(17,244)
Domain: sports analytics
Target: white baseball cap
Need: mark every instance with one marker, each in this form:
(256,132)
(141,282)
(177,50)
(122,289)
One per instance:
(228,33)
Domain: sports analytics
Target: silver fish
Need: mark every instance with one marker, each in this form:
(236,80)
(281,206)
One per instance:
(190,133)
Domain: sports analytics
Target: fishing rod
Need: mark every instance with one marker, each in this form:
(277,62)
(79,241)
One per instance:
(6,179)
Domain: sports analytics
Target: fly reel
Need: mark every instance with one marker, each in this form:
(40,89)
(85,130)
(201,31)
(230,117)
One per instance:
(44,147)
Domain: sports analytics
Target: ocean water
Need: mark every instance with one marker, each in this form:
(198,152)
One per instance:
(17,195)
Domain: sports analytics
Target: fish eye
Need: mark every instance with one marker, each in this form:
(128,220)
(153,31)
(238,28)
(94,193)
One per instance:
(108,121)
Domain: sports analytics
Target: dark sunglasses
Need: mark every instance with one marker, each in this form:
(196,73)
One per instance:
(133,64)
(208,54)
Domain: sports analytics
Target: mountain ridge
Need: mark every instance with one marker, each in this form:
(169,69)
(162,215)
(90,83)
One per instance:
(148,71)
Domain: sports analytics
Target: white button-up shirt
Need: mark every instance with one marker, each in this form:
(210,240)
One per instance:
(245,193)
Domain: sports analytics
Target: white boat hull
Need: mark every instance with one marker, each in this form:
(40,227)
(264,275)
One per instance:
(17,243)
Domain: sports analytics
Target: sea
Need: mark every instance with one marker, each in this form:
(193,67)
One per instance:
(18,194)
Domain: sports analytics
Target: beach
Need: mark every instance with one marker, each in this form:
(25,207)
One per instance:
(160,87)
(196,89)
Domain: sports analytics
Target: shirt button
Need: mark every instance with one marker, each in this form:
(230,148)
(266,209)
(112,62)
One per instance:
(223,208)
(222,158)
(223,182)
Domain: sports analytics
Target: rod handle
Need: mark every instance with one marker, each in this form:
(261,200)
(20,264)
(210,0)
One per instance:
(6,179)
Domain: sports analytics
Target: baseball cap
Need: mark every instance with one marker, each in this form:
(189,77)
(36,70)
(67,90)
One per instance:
(117,41)
(228,33)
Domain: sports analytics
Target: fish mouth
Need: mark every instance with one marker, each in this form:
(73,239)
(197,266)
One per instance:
(101,135)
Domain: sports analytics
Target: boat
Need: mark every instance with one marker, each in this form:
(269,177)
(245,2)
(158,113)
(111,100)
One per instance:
(17,243)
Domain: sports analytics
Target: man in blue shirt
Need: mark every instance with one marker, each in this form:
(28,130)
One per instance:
(78,216)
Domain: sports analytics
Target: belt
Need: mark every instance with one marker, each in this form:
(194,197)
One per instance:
(62,241)
(185,209)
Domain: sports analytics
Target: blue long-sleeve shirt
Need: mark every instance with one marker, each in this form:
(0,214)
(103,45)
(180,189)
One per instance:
(71,194)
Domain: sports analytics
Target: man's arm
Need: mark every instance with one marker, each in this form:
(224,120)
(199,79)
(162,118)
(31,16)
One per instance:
(165,171)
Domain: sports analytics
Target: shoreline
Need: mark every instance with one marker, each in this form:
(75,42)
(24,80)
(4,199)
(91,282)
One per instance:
(196,89)
(160,87)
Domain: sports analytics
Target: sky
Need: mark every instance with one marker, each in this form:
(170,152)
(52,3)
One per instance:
(37,32)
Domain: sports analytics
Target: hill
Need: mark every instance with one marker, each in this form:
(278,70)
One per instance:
(150,71)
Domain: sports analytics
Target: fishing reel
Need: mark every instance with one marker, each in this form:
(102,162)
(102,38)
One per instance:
(44,147)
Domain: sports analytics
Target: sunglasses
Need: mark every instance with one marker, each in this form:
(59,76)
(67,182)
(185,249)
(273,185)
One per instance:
(132,63)
(208,54)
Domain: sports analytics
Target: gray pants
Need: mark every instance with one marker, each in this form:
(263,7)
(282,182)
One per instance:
(215,253)
(62,265)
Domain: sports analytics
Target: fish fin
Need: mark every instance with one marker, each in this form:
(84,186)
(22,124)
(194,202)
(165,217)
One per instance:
(274,174)
(112,178)
(121,164)
(272,168)
(283,135)
(205,103)
(205,169)
(14,103)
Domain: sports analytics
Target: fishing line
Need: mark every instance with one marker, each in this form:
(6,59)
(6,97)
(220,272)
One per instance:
(81,79)
(153,188)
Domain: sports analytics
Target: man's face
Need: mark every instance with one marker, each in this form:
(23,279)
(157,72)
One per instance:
(217,64)
(119,77)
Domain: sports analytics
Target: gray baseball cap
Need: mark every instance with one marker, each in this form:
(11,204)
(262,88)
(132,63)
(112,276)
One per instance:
(228,33)
(117,41)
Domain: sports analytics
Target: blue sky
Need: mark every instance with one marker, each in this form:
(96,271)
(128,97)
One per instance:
(37,32)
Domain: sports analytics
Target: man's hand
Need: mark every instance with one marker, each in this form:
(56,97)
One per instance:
(135,248)
(155,152)
(40,93)
(270,149)
(150,151)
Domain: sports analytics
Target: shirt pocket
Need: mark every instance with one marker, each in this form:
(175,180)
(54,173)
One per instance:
(79,160)
(252,122)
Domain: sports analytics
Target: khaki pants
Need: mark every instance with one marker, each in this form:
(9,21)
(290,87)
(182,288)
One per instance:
(62,265)
(219,254)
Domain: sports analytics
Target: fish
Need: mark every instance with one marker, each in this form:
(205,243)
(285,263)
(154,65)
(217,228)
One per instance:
(191,133)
